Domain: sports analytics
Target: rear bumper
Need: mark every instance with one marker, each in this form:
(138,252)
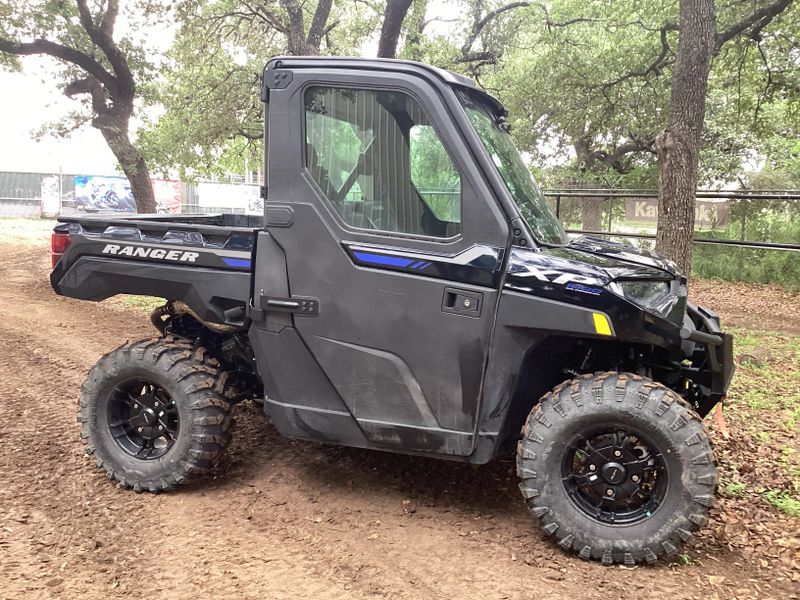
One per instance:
(714,351)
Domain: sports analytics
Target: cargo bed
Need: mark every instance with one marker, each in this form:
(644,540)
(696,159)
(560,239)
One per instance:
(203,260)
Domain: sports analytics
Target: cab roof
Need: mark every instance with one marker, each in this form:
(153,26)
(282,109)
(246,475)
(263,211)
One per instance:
(408,67)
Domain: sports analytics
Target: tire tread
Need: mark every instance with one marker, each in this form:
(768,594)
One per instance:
(634,393)
(202,386)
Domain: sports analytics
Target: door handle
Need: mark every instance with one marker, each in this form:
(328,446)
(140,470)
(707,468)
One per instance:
(462,302)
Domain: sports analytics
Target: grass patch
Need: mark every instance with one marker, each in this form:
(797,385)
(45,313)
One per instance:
(32,232)
(685,559)
(764,403)
(784,501)
(734,489)
(141,304)
(771,386)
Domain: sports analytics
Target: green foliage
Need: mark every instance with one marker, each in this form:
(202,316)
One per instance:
(759,220)
(213,117)
(587,77)
(58,22)
(784,501)
(746,264)
(593,78)
(734,489)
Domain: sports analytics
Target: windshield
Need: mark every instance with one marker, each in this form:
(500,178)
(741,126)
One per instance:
(518,179)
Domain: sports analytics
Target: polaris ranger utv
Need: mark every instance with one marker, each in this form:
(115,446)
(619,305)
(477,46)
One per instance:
(407,289)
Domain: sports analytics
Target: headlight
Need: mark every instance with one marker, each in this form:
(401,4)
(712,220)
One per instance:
(653,296)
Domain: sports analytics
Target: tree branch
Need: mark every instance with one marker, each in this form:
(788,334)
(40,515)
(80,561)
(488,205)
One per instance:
(424,23)
(102,37)
(493,14)
(295,31)
(758,21)
(110,18)
(551,24)
(262,14)
(479,24)
(396,11)
(767,85)
(482,58)
(654,67)
(317,29)
(614,158)
(65,53)
(89,85)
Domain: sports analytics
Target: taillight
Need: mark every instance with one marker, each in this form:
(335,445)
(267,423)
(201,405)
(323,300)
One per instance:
(58,245)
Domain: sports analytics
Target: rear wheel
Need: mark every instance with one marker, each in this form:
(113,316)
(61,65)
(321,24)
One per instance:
(617,468)
(153,413)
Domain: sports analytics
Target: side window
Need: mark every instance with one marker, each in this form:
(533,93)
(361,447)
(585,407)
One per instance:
(380,163)
(434,175)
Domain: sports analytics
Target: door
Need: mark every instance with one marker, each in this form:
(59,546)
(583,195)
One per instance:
(396,246)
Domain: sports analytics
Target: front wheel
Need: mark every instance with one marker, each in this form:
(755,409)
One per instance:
(154,415)
(617,468)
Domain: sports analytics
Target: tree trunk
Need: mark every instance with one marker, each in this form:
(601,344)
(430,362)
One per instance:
(134,167)
(297,43)
(591,206)
(396,11)
(592,213)
(678,146)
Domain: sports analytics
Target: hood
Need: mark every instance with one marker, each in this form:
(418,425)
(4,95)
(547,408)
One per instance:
(619,254)
(580,276)
(567,265)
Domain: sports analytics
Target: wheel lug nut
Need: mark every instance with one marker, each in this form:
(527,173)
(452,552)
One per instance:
(592,467)
(157,403)
(139,430)
(161,428)
(135,405)
(609,492)
(635,479)
(617,453)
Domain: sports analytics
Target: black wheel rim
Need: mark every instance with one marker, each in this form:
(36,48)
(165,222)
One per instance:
(143,419)
(614,475)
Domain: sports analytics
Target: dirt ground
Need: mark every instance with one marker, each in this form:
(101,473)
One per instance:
(286,519)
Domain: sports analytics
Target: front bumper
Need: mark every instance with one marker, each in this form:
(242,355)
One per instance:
(711,355)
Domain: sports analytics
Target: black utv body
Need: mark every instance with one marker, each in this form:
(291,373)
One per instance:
(408,289)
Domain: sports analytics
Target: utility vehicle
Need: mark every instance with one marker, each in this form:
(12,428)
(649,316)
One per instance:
(407,289)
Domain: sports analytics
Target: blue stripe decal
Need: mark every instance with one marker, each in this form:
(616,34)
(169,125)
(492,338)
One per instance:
(381,259)
(237,262)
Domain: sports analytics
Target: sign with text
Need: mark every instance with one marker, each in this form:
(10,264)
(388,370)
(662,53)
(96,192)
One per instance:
(707,213)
